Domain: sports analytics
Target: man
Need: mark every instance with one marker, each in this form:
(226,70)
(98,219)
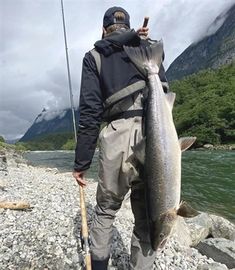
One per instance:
(113,90)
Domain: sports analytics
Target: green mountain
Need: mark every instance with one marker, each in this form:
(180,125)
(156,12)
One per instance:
(205,106)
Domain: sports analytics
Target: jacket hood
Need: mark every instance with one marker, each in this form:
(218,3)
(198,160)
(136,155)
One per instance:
(116,40)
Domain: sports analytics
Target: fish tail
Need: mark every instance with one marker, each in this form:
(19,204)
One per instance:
(146,57)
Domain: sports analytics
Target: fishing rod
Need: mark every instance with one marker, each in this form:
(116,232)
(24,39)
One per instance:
(68,71)
(84,230)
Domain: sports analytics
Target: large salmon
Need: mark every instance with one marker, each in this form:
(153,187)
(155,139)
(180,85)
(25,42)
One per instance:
(162,154)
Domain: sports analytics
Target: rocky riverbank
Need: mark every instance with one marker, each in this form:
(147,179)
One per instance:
(218,147)
(46,236)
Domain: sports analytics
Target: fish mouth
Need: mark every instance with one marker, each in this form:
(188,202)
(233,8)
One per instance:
(159,246)
(162,244)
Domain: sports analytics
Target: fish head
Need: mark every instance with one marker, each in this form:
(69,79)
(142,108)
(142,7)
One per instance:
(162,228)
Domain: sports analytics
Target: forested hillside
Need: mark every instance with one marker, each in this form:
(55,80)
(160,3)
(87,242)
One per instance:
(205,105)
(54,141)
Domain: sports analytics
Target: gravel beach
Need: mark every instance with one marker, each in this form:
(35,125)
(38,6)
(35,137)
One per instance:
(47,235)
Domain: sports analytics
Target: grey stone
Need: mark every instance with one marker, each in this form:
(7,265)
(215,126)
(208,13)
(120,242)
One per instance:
(212,266)
(222,228)
(219,249)
(52,170)
(3,183)
(3,165)
(182,233)
(199,227)
(208,146)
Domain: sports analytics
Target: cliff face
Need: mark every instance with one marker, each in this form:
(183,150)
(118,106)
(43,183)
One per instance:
(49,122)
(212,51)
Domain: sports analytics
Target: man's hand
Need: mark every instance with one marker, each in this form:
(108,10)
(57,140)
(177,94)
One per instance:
(79,176)
(143,31)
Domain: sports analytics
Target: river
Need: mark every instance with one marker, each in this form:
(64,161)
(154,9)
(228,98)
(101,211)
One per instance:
(208,177)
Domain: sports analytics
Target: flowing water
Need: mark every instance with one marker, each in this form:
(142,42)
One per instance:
(208,177)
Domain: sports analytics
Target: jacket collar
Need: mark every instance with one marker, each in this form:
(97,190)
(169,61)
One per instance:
(115,41)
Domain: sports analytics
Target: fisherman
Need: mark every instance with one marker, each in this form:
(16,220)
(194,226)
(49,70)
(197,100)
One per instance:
(114,91)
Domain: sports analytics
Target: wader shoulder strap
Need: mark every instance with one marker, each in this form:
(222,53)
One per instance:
(124,92)
(97,58)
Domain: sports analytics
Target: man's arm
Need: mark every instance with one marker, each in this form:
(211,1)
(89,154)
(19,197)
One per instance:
(91,109)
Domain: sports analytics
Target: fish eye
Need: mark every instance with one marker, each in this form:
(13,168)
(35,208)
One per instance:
(161,235)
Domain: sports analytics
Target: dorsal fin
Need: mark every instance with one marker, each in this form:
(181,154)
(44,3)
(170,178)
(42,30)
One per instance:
(186,142)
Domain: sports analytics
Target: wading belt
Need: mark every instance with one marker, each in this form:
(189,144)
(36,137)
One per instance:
(125,115)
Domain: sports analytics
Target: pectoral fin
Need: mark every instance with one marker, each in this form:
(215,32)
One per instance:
(138,153)
(186,142)
(186,210)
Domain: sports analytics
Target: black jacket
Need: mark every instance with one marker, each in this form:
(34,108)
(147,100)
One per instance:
(117,71)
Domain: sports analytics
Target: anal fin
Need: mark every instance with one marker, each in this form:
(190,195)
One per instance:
(138,152)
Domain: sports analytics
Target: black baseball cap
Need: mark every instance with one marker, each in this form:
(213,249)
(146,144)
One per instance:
(109,17)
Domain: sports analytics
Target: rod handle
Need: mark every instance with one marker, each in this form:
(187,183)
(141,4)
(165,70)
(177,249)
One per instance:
(146,20)
(85,228)
(83,213)
(88,262)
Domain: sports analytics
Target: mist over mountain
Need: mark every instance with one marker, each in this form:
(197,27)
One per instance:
(50,122)
(216,49)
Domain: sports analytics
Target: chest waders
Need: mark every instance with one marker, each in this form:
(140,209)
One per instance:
(110,112)
(123,112)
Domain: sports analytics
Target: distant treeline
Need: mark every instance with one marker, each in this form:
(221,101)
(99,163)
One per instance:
(56,141)
(204,107)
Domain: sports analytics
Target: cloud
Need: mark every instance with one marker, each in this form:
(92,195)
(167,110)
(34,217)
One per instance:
(11,125)
(49,115)
(33,72)
(218,22)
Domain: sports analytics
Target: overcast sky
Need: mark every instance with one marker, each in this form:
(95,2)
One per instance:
(33,71)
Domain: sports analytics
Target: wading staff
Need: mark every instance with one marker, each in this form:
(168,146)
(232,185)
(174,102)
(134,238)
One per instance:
(84,240)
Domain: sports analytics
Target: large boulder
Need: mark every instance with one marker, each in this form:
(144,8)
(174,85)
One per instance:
(222,228)
(219,249)
(181,233)
(199,227)
(209,226)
